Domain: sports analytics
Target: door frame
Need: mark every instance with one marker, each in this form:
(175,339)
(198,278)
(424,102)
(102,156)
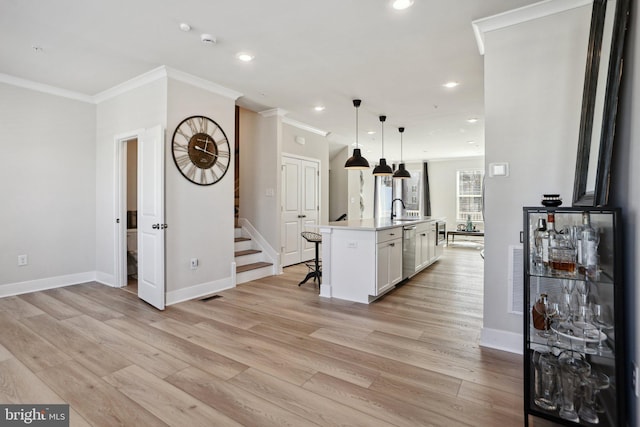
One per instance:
(120,205)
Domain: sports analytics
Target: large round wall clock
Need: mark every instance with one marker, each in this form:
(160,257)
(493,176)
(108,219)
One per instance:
(201,150)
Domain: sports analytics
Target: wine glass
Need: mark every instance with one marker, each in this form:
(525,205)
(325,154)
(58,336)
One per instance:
(582,287)
(547,310)
(600,318)
(592,384)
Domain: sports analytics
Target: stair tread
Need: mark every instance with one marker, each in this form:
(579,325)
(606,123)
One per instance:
(253,266)
(247,252)
(242,239)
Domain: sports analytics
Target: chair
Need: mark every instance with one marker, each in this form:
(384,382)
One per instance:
(314,266)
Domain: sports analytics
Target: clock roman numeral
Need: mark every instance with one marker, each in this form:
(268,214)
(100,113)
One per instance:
(182,134)
(203,125)
(180,147)
(183,161)
(192,125)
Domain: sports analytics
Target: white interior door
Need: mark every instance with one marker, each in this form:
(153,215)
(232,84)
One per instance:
(290,227)
(151,225)
(300,207)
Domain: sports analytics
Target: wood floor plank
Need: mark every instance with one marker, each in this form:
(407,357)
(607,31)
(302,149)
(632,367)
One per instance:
(193,354)
(4,353)
(82,304)
(380,405)
(50,305)
(18,308)
(28,347)
(445,384)
(164,400)
(267,361)
(94,399)
(318,409)
(98,359)
(149,357)
(19,385)
(243,406)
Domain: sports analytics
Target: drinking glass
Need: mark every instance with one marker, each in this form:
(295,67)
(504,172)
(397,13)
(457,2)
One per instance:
(601,319)
(592,384)
(548,310)
(572,370)
(546,382)
(582,287)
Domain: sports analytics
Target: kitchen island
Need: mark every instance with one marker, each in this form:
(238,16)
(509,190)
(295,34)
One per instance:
(363,259)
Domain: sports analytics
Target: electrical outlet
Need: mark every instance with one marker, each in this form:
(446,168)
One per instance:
(634,379)
(22,260)
(194,263)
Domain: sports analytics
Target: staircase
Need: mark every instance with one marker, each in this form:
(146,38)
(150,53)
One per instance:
(251,262)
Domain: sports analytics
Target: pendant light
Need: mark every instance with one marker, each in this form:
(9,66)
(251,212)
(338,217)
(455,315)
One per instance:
(401,173)
(356,162)
(383,169)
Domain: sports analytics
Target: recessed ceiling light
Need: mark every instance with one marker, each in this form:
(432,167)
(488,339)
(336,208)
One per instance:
(402,4)
(471,142)
(245,57)
(472,120)
(185,27)
(450,84)
(319,108)
(371,132)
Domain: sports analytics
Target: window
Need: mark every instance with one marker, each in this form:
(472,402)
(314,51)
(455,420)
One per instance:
(469,195)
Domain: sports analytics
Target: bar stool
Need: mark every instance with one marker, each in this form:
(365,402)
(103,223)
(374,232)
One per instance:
(314,266)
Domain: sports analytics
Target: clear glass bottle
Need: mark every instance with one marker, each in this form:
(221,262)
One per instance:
(541,227)
(589,248)
(549,238)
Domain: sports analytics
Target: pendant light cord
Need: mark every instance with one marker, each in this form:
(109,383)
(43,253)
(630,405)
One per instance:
(357,146)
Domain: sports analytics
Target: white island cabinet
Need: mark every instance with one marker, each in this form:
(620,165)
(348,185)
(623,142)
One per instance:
(362,259)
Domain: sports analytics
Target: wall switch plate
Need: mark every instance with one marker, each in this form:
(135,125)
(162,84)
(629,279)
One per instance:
(22,260)
(194,263)
(352,244)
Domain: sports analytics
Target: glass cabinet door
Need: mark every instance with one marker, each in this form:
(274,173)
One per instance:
(573,316)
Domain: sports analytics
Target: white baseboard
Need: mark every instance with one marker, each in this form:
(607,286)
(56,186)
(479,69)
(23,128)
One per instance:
(501,340)
(197,291)
(28,286)
(106,279)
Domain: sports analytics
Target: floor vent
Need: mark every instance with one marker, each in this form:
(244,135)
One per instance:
(516,279)
(211,297)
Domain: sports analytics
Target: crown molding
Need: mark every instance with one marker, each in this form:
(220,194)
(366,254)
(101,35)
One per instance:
(40,87)
(202,83)
(304,126)
(134,83)
(520,15)
(273,112)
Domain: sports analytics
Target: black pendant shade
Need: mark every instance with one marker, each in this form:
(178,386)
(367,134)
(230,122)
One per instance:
(356,162)
(402,172)
(383,169)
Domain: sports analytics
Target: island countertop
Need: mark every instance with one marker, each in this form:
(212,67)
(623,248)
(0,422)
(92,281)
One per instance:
(377,223)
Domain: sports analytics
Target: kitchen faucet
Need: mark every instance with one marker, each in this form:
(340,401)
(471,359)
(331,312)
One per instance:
(401,202)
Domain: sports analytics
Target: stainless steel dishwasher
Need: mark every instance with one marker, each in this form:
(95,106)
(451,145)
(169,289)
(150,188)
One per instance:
(408,251)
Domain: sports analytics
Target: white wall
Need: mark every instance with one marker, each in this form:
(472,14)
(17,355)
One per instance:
(338,185)
(200,218)
(260,170)
(625,192)
(47,183)
(533,90)
(315,147)
(442,185)
(139,108)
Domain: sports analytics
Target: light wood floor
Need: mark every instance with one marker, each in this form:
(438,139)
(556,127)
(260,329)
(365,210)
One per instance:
(267,353)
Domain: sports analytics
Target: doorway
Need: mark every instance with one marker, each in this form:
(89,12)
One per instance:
(139,214)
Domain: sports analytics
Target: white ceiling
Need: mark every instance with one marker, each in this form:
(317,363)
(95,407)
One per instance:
(306,53)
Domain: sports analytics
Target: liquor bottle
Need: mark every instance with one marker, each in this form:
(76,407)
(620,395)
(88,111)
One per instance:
(537,241)
(469,223)
(548,238)
(589,252)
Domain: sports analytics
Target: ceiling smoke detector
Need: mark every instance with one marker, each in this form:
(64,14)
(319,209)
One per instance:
(208,39)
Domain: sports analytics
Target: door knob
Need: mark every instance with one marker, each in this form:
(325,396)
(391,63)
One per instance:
(302,216)
(156,226)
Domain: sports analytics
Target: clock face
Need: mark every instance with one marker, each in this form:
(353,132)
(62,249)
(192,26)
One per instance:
(201,150)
